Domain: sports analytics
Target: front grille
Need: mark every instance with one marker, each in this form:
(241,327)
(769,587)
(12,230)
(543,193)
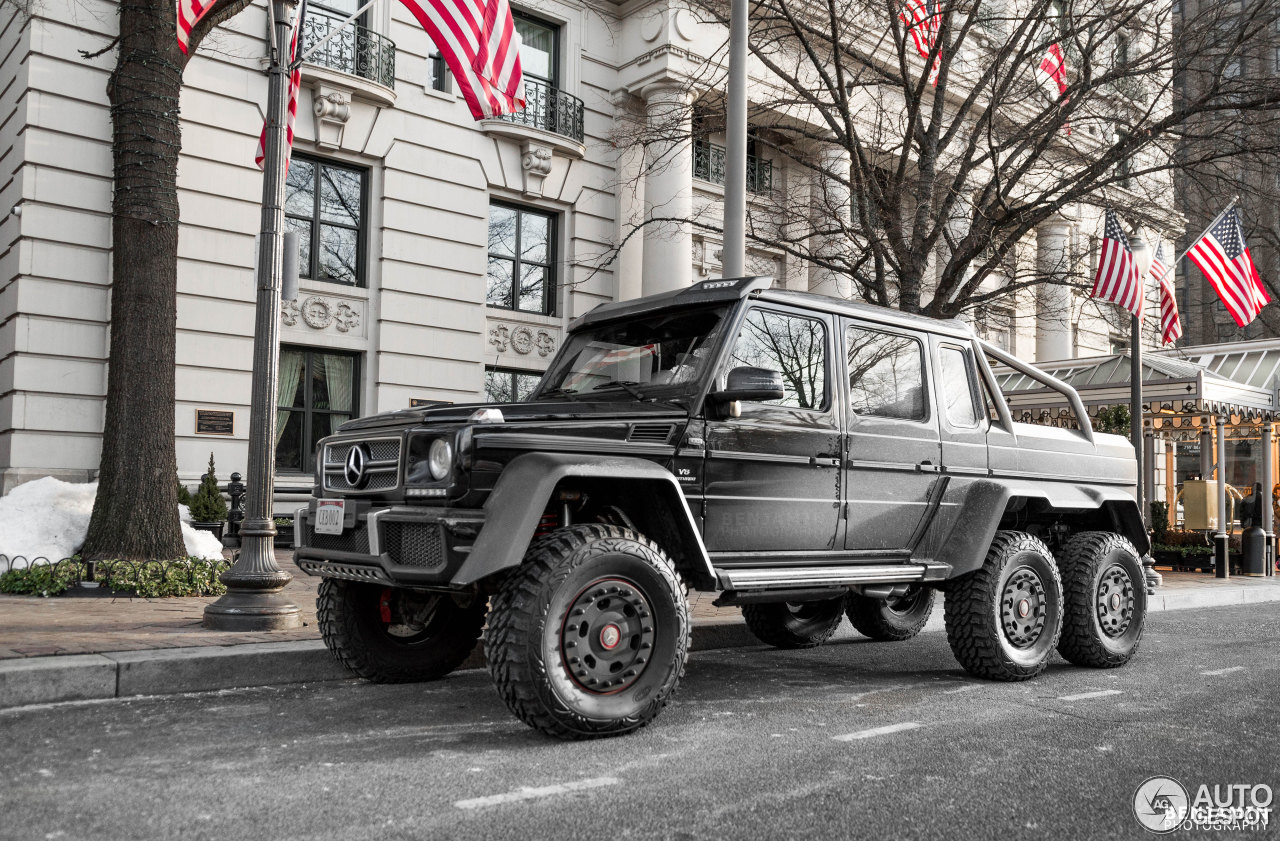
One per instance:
(382,466)
(351,540)
(418,545)
(651,433)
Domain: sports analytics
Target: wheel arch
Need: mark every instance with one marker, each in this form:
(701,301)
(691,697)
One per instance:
(530,481)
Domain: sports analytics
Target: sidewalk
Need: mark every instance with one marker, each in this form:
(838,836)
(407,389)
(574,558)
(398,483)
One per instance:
(71,648)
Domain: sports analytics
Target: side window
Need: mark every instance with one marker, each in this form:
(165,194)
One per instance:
(792,344)
(957,389)
(886,374)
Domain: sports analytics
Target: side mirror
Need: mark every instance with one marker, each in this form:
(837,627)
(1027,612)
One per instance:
(748,383)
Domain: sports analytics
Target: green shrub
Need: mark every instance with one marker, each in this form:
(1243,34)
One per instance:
(1113,419)
(207,504)
(145,579)
(184,495)
(1159,521)
(41,579)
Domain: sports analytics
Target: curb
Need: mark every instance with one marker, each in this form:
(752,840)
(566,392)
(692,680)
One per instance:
(168,671)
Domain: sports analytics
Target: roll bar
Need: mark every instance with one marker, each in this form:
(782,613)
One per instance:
(1048,380)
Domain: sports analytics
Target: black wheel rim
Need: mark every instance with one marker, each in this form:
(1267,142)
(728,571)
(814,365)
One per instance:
(406,617)
(1022,608)
(906,603)
(1115,601)
(607,636)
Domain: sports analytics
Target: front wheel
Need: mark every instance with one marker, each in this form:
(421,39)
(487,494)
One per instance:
(794,625)
(893,619)
(589,636)
(1106,600)
(395,635)
(1003,620)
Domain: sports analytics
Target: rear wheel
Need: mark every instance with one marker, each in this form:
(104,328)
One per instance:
(1003,620)
(798,625)
(1106,600)
(893,619)
(589,636)
(395,635)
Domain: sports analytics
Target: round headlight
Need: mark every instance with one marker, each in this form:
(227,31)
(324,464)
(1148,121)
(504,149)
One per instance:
(440,459)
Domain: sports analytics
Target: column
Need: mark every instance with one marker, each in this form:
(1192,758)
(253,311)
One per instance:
(668,189)
(1171,479)
(1053,302)
(1224,526)
(1148,468)
(1268,481)
(629,267)
(830,201)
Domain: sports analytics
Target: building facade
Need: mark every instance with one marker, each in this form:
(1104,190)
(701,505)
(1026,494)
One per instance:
(441,258)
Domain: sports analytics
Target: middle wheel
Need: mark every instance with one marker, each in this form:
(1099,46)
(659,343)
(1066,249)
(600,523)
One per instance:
(799,625)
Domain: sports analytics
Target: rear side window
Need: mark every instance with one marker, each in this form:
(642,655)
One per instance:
(958,390)
(792,344)
(886,374)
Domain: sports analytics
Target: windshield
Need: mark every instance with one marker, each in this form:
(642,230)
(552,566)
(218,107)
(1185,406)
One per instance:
(655,356)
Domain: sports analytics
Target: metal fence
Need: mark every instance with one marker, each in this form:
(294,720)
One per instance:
(709,162)
(550,109)
(356,50)
(124,575)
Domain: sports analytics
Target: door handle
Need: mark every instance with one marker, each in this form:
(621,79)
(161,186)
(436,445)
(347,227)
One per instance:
(927,466)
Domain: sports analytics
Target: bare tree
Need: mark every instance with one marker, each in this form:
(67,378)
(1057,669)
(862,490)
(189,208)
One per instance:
(135,514)
(917,195)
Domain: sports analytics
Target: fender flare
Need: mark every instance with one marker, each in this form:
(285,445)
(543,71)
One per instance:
(985,502)
(516,504)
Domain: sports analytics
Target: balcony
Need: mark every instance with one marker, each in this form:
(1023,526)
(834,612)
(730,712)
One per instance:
(355,50)
(549,109)
(708,165)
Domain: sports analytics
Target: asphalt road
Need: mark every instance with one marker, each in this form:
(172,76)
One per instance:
(750,748)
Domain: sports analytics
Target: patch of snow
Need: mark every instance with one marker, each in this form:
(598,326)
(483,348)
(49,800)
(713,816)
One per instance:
(49,518)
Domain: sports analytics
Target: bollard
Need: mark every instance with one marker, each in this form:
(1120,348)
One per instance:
(235,489)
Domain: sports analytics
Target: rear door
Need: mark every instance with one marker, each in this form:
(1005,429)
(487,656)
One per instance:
(894,455)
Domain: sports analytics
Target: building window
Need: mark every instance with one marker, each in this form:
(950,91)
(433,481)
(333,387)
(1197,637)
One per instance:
(539,48)
(1118,344)
(995,326)
(521,259)
(507,385)
(439,72)
(318,392)
(325,204)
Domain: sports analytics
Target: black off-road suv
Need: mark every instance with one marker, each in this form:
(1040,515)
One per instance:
(804,457)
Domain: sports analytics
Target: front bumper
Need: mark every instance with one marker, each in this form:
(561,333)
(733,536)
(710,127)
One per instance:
(389,545)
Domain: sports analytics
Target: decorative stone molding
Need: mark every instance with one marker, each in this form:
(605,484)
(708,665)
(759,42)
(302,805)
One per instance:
(320,313)
(523,339)
(535,166)
(332,109)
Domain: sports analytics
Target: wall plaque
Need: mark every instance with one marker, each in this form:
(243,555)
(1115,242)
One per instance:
(215,422)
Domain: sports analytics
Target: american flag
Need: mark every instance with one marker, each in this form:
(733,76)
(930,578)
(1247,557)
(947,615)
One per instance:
(1223,258)
(479,42)
(189,14)
(1117,279)
(923,21)
(1170,324)
(295,82)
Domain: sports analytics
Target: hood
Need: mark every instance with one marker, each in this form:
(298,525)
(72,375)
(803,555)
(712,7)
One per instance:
(549,411)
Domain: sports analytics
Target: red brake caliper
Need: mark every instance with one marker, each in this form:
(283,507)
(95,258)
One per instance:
(384,606)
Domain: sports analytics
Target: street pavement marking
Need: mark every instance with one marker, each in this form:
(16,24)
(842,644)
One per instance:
(878,731)
(535,793)
(1084,696)
(1225,671)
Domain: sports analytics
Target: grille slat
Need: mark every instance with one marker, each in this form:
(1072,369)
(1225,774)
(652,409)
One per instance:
(382,470)
(418,545)
(651,433)
(351,540)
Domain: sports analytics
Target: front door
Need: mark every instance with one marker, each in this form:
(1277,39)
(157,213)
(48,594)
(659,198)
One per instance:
(772,476)
(894,456)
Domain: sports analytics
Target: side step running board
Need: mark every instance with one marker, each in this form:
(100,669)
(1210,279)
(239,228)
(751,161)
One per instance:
(756,579)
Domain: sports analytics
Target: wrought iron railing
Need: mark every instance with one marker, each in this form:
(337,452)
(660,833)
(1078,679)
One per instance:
(355,49)
(708,165)
(549,108)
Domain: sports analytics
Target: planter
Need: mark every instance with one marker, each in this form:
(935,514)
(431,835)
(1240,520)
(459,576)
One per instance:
(284,536)
(213,528)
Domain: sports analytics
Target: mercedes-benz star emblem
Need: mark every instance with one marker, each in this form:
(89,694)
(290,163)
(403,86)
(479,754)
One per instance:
(354,470)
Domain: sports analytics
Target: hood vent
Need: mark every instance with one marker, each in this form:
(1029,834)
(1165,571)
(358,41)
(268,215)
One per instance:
(651,433)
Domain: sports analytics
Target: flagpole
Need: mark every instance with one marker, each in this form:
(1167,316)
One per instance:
(1234,201)
(733,255)
(253,601)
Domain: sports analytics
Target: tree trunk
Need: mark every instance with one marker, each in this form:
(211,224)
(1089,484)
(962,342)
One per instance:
(135,515)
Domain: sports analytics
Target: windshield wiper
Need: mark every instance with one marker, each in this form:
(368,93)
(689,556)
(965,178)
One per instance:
(629,385)
(561,392)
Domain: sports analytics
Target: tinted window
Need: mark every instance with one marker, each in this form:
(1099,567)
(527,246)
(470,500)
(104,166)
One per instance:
(959,396)
(886,376)
(792,344)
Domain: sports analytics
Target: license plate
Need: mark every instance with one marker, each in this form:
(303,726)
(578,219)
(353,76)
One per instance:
(329,515)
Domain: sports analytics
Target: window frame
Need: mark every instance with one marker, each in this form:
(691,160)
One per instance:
(926,387)
(971,377)
(513,372)
(362,229)
(556,28)
(309,440)
(551,287)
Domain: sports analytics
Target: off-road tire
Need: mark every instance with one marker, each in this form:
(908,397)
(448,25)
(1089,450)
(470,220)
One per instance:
(570,692)
(800,625)
(891,620)
(976,616)
(350,620)
(1097,565)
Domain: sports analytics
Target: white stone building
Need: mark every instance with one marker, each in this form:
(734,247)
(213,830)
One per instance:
(414,220)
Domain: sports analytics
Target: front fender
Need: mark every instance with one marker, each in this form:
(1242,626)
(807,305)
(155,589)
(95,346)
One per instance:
(516,504)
